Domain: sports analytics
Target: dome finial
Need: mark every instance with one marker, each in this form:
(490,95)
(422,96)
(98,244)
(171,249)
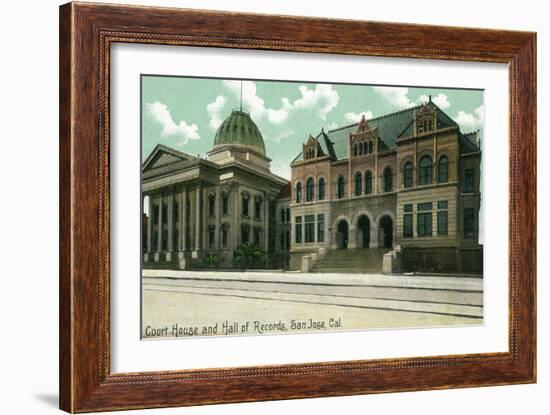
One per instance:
(241,106)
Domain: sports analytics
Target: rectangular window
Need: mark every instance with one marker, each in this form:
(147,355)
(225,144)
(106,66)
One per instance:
(225,204)
(224,237)
(408,208)
(298,229)
(443,204)
(424,224)
(211,237)
(469,180)
(245,206)
(256,236)
(321,228)
(424,206)
(257,209)
(211,206)
(309,228)
(282,216)
(245,231)
(469,223)
(408,225)
(442,220)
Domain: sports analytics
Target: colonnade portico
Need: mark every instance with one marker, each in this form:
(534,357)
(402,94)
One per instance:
(168,225)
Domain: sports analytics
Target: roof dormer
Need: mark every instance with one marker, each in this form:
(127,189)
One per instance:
(425,119)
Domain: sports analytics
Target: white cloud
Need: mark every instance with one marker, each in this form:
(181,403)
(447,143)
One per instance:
(471,121)
(282,135)
(441,100)
(161,115)
(214,111)
(356,116)
(332,126)
(322,100)
(396,96)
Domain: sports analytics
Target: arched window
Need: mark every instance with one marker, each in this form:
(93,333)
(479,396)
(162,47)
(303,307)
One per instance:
(408,174)
(370,147)
(443,169)
(298,192)
(358,184)
(388,179)
(309,190)
(355,149)
(361,149)
(425,171)
(341,184)
(368,183)
(321,189)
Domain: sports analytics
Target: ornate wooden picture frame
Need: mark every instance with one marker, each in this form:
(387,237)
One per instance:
(87,32)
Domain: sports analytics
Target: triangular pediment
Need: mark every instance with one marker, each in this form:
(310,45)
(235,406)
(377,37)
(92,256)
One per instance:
(162,156)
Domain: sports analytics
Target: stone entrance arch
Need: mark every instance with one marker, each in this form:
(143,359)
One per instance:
(342,234)
(386,230)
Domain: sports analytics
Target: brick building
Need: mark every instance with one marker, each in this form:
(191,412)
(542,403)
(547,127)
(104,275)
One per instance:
(406,181)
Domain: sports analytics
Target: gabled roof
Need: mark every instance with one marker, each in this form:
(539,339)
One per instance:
(162,156)
(324,146)
(389,128)
(469,142)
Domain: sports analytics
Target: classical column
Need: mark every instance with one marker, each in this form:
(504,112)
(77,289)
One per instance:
(149,227)
(159,228)
(352,237)
(183,221)
(197,221)
(266,219)
(217,219)
(373,243)
(182,229)
(235,215)
(170,223)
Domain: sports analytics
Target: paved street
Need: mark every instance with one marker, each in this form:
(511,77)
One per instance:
(185,303)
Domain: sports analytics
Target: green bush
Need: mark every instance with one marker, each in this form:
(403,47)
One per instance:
(211,260)
(250,256)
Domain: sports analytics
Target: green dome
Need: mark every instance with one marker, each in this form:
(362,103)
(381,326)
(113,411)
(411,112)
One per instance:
(239,129)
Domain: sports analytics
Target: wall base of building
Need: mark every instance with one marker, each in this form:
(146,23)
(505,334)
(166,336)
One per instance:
(442,259)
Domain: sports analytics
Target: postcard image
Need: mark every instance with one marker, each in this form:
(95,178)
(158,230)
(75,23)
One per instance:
(277,206)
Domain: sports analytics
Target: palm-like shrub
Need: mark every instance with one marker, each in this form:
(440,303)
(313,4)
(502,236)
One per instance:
(248,256)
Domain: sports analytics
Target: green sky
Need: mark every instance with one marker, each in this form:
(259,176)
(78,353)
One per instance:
(183,112)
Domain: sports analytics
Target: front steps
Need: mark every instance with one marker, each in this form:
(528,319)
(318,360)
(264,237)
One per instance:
(358,260)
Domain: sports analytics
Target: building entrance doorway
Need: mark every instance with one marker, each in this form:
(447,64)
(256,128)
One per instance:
(342,236)
(386,232)
(363,228)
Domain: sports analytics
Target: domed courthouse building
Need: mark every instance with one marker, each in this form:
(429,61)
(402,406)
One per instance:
(199,207)
(398,192)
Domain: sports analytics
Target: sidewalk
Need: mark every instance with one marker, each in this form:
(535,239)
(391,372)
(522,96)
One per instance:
(332,279)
